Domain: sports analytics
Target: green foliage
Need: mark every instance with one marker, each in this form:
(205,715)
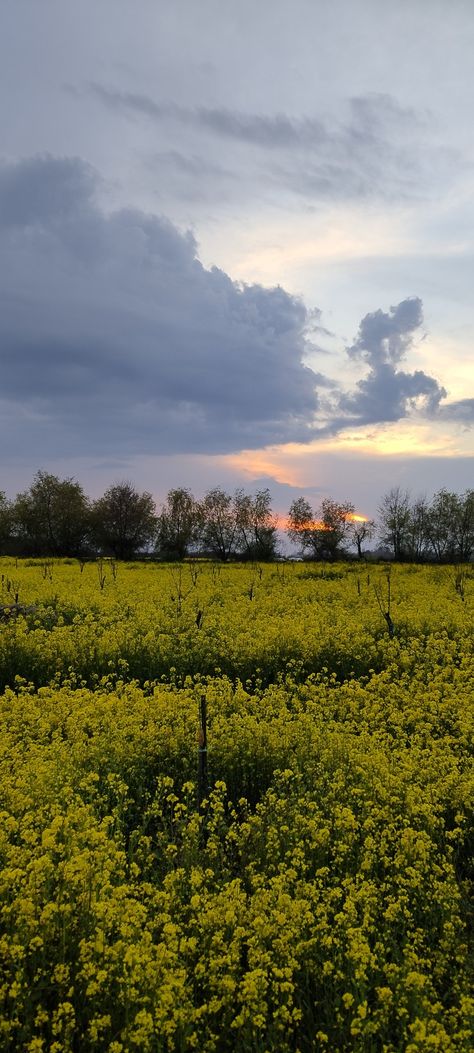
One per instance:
(123,521)
(219,531)
(178,525)
(52,518)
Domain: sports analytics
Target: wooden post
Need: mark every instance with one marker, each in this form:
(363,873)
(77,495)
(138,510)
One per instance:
(202,752)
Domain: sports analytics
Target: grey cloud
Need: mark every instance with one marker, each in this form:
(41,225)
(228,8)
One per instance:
(375,150)
(115,339)
(266,132)
(462,411)
(388,393)
(386,337)
(44,190)
(190,165)
(189,177)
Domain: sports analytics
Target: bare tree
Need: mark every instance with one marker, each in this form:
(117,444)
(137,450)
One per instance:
(394,515)
(361,531)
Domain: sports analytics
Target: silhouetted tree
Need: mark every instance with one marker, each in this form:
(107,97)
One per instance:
(123,521)
(301,524)
(321,533)
(361,532)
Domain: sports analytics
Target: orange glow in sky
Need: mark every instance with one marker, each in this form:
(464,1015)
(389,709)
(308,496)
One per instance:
(283,522)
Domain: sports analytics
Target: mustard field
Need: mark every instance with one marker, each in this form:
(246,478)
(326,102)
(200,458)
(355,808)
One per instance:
(319,898)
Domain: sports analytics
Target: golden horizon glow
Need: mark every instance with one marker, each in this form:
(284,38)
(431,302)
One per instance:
(295,464)
(284,523)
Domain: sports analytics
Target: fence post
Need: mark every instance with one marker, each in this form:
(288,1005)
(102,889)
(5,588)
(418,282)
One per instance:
(202,752)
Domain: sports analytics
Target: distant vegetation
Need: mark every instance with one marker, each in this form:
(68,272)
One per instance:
(55,518)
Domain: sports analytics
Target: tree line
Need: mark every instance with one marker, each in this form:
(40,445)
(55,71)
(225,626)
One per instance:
(55,518)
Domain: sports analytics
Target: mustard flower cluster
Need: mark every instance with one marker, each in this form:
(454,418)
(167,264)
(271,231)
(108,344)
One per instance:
(320,897)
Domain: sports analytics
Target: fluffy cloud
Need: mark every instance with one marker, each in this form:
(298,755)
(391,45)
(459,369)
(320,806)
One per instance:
(115,338)
(388,393)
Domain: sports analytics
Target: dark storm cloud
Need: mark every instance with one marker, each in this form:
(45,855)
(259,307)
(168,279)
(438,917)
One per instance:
(114,337)
(376,150)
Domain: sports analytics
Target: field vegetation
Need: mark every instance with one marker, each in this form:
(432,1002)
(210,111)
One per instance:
(310,888)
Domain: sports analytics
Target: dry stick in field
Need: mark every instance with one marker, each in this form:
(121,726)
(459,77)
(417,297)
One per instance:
(459,581)
(101,573)
(386,613)
(203,788)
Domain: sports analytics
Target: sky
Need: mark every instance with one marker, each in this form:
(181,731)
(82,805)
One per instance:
(236,246)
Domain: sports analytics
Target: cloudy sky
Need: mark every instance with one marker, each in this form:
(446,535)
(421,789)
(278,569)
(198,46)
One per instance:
(236,245)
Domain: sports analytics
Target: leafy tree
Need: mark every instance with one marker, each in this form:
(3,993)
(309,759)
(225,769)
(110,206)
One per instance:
(124,521)
(178,524)
(52,518)
(219,529)
(394,515)
(321,533)
(256,524)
